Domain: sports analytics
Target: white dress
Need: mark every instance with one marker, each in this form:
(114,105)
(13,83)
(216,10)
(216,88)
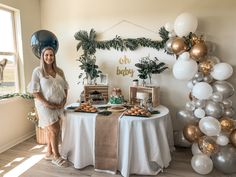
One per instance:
(53,90)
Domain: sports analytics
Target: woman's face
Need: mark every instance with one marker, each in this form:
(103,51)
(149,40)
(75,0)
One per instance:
(48,57)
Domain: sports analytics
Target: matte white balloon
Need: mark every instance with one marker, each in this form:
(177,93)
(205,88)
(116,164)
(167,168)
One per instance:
(184,56)
(202,90)
(202,164)
(190,84)
(222,71)
(199,113)
(210,126)
(185,70)
(222,140)
(184,24)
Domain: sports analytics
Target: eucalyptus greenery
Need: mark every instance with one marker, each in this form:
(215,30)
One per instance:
(89,44)
(147,67)
(88,65)
(23,95)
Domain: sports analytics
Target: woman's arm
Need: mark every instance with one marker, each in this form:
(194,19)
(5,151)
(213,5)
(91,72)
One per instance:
(40,97)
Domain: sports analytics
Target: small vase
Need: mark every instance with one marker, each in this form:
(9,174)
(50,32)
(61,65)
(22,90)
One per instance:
(89,80)
(144,83)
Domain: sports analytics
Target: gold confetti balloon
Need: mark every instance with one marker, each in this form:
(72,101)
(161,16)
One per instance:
(207,145)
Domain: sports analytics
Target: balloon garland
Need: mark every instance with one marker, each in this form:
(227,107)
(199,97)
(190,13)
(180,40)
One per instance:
(207,122)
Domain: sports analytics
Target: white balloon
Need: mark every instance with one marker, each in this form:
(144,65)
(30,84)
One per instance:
(169,26)
(184,24)
(222,140)
(210,126)
(185,70)
(184,56)
(199,113)
(202,90)
(202,164)
(195,149)
(190,84)
(222,71)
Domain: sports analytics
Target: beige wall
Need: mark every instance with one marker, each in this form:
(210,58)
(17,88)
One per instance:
(14,126)
(216,22)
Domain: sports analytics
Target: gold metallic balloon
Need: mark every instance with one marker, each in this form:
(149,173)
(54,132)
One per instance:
(192,132)
(179,46)
(207,145)
(232,137)
(198,51)
(227,124)
(206,67)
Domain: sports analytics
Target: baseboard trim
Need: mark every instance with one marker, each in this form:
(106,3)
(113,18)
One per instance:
(16,141)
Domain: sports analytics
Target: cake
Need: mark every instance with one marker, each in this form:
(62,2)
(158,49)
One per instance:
(116,96)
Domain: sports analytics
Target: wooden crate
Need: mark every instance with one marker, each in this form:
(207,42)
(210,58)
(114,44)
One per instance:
(152,90)
(91,88)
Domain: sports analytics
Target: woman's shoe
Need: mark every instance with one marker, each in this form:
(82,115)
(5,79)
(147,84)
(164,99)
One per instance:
(60,162)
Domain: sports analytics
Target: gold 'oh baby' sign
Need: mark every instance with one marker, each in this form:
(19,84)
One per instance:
(124,71)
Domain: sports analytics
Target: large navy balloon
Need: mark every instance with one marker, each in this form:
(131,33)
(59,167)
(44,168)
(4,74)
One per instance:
(41,39)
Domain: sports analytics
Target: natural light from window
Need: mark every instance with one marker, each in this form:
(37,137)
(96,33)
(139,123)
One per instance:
(8,53)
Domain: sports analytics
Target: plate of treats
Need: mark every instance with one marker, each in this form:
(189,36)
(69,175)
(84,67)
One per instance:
(116,109)
(137,111)
(86,107)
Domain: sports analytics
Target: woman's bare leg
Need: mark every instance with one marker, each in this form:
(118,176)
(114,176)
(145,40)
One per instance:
(49,147)
(53,131)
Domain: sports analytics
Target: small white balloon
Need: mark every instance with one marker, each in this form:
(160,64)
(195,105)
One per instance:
(222,71)
(202,90)
(199,113)
(184,24)
(184,56)
(222,140)
(190,84)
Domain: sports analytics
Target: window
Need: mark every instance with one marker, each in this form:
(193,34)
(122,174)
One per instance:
(9,55)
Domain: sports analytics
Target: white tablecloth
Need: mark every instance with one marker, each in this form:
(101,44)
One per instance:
(144,143)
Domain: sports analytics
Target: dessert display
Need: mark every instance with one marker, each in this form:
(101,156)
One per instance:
(137,111)
(96,98)
(86,107)
(116,96)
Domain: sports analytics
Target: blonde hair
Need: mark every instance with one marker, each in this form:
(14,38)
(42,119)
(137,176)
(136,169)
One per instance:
(54,64)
